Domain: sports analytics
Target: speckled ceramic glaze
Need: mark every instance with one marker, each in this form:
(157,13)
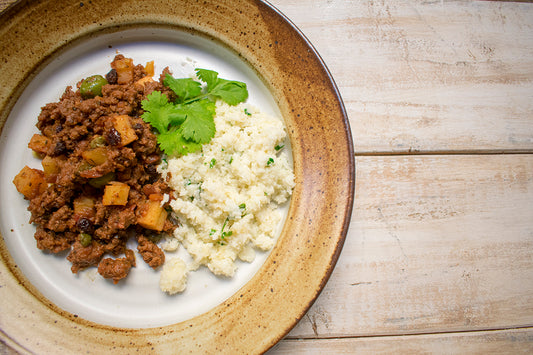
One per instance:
(268,306)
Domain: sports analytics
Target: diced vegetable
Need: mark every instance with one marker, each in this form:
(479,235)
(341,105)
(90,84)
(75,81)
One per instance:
(156,197)
(30,182)
(101,181)
(96,156)
(84,206)
(149,68)
(85,239)
(97,141)
(51,168)
(123,126)
(116,194)
(144,80)
(92,86)
(124,68)
(39,143)
(152,216)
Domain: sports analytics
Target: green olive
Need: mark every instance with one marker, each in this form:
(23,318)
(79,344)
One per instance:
(102,180)
(85,239)
(92,86)
(97,141)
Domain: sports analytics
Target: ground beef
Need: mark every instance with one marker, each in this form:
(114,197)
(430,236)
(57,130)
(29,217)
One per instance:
(70,213)
(117,269)
(82,256)
(151,253)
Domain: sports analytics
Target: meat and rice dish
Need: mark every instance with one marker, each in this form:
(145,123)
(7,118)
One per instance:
(126,157)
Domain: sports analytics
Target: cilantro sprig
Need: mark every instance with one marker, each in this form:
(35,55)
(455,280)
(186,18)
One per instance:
(184,125)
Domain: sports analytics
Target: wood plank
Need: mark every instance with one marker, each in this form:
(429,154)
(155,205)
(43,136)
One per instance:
(427,75)
(515,341)
(436,244)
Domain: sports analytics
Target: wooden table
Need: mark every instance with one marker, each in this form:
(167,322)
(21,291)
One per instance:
(439,254)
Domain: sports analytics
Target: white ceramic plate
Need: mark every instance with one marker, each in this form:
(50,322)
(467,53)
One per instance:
(87,294)
(48,44)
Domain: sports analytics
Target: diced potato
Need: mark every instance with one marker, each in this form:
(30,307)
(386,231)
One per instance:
(116,194)
(152,216)
(51,168)
(149,68)
(39,143)
(144,80)
(96,156)
(30,182)
(84,206)
(124,68)
(123,126)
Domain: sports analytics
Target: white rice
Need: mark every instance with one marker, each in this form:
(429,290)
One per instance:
(228,196)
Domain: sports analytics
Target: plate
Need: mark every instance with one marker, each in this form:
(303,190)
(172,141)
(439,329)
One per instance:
(42,311)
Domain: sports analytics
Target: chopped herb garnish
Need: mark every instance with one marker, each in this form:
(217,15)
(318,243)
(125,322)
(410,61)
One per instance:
(212,163)
(230,160)
(246,112)
(184,125)
(279,147)
(270,161)
(242,207)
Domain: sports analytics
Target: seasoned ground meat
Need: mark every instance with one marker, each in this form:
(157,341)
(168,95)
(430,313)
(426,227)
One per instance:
(151,253)
(99,170)
(117,269)
(82,257)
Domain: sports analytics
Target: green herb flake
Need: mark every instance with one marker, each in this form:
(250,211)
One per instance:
(279,147)
(226,234)
(246,112)
(212,163)
(270,161)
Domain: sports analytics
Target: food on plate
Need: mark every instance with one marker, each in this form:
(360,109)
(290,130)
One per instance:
(228,194)
(162,162)
(99,185)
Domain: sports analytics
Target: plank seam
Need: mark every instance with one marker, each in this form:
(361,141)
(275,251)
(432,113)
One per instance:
(485,330)
(440,153)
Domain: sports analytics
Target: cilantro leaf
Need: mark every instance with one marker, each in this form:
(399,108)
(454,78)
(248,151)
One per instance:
(183,126)
(200,124)
(159,112)
(173,142)
(232,92)
(184,88)
(210,77)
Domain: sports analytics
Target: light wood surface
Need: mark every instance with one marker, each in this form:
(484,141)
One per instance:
(439,254)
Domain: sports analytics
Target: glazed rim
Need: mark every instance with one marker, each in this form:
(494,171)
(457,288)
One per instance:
(267,307)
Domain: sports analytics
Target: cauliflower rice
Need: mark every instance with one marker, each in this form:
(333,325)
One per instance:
(228,195)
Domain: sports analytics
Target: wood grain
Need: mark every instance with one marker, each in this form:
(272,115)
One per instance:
(517,341)
(432,247)
(419,76)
